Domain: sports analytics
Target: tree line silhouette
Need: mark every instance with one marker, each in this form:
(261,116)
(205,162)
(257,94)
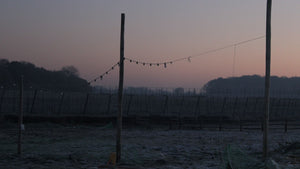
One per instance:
(66,79)
(252,83)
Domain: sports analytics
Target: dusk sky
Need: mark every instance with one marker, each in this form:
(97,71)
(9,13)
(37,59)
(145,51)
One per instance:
(86,34)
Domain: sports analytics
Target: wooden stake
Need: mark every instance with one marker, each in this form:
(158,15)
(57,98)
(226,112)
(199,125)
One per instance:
(267,81)
(85,103)
(108,105)
(244,113)
(234,107)
(129,104)
(33,101)
(286,125)
(222,112)
(166,105)
(120,92)
(1,100)
(62,95)
(197,106)
(20,121)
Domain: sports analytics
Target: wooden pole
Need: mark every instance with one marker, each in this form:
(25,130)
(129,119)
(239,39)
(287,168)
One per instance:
(197,106)
(120,92)
(1,100)
(20,121)
(33,101)
(244,113)
(62,95)
(108,105)
(129,104)
(234,107)
(222,112)
(166,105)
(146,104)
(209,104)
(85,103)
(286,125)
(267,80)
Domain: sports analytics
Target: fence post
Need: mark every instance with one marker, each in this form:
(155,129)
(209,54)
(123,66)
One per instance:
(181,106)
(33,101)
(15,100)
(1,100)
(255,105)
(85,103)
(146,105)
(20,121)
(222,110)
(109,104)
(129,103)
(288,108)
(166,104)
(272,103)
(62,94)
(197,105)
(27,103)
(244,112)
(207,105)
(43,101)
(180,112)
(286,125)
(234,106)
(277,110)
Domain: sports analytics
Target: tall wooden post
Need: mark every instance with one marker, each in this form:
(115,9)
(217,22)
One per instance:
(267,80)
(20,121)
(120,92)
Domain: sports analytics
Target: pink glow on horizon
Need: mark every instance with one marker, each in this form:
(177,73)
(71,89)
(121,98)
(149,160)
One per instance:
(53,34)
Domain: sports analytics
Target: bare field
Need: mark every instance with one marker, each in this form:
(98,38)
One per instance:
(57,146)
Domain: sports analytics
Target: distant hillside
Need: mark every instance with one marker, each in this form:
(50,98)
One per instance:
(66,79)
(253,85)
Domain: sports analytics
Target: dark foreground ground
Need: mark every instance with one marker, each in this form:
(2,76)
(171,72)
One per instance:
(48,145)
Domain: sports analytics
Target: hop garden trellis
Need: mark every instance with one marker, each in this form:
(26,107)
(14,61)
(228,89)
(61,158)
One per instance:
(267,78)
(165,64)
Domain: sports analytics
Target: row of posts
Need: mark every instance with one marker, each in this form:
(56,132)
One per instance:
(209,105)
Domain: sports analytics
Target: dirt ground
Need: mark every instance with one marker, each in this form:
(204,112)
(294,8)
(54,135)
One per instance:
(58,146)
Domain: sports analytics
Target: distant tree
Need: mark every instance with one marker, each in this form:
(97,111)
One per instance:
(70,70)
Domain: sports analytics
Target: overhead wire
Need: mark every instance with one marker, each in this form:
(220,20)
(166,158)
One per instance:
(188,58)
(165,63)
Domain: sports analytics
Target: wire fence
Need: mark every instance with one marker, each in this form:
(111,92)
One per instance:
(46,103)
